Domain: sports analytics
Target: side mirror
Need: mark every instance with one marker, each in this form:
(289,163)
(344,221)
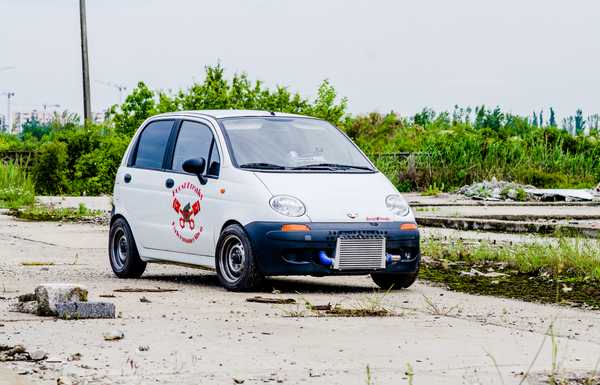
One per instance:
(195,166)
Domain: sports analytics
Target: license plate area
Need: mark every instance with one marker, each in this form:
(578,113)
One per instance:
(358,253)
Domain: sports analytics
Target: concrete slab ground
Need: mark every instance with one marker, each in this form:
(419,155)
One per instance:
(9,377)
(204,334)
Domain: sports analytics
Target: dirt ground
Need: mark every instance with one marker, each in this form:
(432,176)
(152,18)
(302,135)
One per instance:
(202,334)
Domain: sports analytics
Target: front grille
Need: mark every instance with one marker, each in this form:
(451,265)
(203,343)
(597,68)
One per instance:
(359,253)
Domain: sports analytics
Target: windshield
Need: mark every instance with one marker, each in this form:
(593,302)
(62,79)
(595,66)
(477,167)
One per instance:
(292,144)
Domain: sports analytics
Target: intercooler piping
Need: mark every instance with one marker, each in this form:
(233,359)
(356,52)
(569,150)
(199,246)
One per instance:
(324,259)
(388,258)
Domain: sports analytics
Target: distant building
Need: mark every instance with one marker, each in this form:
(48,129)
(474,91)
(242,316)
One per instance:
(20,118)
(44,117)
(98,117)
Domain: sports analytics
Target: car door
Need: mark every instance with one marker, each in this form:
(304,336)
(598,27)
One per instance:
(193,209)
(143,184)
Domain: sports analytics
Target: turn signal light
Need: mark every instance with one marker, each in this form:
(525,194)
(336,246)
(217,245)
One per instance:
(408,226)
(293,227)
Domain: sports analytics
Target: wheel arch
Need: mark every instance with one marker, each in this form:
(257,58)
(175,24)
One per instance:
(118,216)
(121,216)
(228,222)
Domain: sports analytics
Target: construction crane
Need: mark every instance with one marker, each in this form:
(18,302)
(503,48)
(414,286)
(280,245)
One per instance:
(118,87)
(7,122)
(46,105)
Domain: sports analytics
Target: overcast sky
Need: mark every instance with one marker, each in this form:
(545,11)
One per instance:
(383,55)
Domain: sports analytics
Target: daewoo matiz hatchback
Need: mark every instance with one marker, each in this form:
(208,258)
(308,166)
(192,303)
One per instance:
(254,194)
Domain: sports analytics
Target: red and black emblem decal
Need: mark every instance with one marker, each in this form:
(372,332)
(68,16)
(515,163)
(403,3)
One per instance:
(185,226)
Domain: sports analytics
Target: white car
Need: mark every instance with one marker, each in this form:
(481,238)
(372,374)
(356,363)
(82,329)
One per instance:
(254,194)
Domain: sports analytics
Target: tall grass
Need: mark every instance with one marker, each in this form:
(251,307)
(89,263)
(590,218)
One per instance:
(455,154)
(16,186)
(568,257)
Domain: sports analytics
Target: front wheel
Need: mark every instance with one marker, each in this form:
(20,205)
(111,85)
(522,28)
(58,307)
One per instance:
(123,254)
(236,264)
(397,281)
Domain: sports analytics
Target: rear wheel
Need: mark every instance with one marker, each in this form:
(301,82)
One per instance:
(395,281)
(235,262)
(123,254)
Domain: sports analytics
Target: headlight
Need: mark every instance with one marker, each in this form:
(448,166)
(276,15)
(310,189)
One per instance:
(287,205)
(397,204)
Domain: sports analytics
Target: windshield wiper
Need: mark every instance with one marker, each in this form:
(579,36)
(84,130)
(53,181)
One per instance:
(263,166)
(326,166)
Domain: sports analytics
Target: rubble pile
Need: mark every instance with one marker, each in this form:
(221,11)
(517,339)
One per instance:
(19,353)
(495,190)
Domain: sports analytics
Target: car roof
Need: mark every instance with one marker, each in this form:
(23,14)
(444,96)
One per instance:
(218,114)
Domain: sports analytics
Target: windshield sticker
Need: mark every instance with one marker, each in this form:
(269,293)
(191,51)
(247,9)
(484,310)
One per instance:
(185,225)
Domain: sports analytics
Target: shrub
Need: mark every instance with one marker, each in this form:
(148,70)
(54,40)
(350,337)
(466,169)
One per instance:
(95,172)
(50,169)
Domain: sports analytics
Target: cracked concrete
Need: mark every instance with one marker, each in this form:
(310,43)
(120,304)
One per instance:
(204,334)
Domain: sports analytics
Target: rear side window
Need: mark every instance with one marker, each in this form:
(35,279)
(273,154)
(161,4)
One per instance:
(152,145)
(195,140)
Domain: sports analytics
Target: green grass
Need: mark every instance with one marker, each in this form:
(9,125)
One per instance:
(16,186)
(574,258)
(433,190)
(48,213)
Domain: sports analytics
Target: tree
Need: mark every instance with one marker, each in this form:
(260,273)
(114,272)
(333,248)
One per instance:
(480,117)
(425,117)
(34,128)
(552,121)
(138,106)
(541,118)
(579,122)
(218,92)
(535,120)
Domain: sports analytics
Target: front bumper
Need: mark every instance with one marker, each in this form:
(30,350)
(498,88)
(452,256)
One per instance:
(296,253)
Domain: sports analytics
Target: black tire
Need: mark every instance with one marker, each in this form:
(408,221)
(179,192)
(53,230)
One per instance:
(235,262)
(387,281)
(122,251)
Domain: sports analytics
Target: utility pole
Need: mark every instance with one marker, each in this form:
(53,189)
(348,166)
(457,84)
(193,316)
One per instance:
(85,66)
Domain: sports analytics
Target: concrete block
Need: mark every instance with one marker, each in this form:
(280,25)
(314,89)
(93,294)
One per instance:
(82,310)
(50,294)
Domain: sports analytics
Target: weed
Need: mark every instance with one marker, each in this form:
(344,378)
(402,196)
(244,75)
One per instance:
(16,186)
(433,190)
(496,366)
(438,310)
(369,380)
(369,306)
(568,257)
(50,213)
(554,368)
(409,373)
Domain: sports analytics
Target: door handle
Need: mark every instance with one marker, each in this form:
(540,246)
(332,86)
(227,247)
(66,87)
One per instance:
(169,183)
(127,178)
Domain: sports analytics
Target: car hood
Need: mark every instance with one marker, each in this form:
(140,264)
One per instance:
(337,197)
